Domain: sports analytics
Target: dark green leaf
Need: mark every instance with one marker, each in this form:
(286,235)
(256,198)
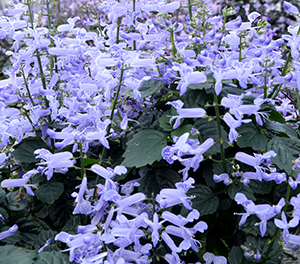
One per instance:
(194,98)
(183,129)
(230,90)
(53,257)
(209,129)
(2,195)
(151,87)
(236,256)
(287,150)
(204,199)
(61,210)
(273,114)
(42,237)
(281,128)
(49,192)
(72,224)
(158,179)
(127,92)
(16,255)
(144,148)
(240,188)
(24,151)
(262,187)
(11,239)
(250,136)
(164,120)
(37,178)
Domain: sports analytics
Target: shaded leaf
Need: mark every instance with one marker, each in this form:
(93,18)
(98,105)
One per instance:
(144,148)
(250,136)
(240,188)
(287,150)
(194,98)
(154,181)
(183,129)
(281,128)
(204,199)
(164,120)
(209,129)
(151,87)
(42,237)
(24,151)
(236,256)
(12,255)
(53,257)
(49,192)
(2,196)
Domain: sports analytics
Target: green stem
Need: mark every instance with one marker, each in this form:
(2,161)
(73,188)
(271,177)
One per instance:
(240,48)
(82,171)
(277,87)
(49,27)
(190,9)
(265,86)
(159,72)
(223,29)
(219,132)
(30,14)
(103,154)
(27,88)
(118,30)
(298,101)
(173,42)
(133,9)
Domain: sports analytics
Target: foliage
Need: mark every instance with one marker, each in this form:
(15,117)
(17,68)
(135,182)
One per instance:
(136,130)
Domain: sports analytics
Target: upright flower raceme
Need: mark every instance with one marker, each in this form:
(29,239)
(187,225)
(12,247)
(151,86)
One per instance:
(185,112)
(186,147)
(58,162)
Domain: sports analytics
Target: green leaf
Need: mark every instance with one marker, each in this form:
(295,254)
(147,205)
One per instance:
(287,150)
(42,237)
(72,224)
(16,237)
(281,128)
(24,151)
(262,187)
(53,257)
(204,199)
(250,136)
(209,129)
(183,129)
(156,180)
(164,120)
(236,256)
(2,196)
(12,255)
(49,192)
(148,88)
(151,87)
(273,114)
(194,98)
(144,148)
(240,188)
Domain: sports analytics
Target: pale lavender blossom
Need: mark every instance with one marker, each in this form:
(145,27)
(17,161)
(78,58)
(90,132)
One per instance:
(184,112)
(59,162)
(10,232)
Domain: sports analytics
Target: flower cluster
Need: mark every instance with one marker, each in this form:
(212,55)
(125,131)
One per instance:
(169,119)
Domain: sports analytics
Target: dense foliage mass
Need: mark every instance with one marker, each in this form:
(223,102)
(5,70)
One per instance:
(148,132)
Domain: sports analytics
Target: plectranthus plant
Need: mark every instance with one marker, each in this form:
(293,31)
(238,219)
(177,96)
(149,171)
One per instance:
(148,132)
